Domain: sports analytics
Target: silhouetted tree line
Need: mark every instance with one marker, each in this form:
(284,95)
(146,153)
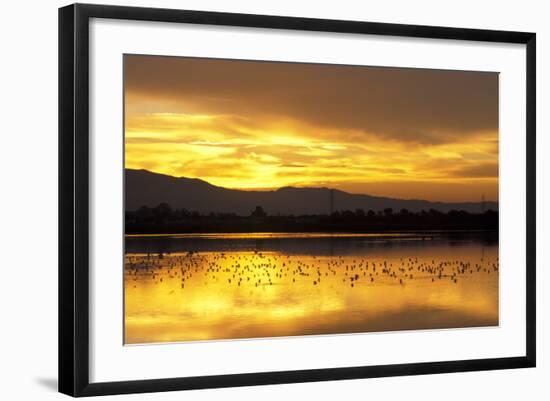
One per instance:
(164,219)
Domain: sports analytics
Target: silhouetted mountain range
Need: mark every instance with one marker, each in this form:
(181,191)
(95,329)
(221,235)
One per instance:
(145,188)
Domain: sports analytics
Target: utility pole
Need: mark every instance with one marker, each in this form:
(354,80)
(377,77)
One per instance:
(482,203)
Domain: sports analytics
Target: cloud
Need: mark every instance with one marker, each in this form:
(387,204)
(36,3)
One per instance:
(385,131)
(292,165)
(485,170)
(418,105)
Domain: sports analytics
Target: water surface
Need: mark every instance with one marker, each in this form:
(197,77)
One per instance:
(226,286)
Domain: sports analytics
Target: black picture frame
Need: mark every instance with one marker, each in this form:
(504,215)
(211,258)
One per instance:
(74,198)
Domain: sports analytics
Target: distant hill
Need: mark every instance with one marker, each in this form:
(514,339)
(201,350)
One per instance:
(144,188)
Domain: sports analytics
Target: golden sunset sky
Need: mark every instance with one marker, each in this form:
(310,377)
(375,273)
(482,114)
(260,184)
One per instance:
(404,133)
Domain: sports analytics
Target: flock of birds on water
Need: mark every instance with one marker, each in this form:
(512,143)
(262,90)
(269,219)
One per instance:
(257,269)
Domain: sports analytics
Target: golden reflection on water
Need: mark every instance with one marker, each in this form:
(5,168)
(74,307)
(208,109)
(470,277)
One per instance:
(248,294)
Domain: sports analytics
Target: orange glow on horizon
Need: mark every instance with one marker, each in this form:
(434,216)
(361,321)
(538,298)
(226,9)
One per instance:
(203,136)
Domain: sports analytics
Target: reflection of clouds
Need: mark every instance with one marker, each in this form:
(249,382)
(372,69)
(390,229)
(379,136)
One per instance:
(210,308)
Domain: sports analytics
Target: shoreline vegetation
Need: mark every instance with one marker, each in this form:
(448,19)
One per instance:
(162,219)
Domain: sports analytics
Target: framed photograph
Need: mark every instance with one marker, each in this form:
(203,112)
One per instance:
(250,199)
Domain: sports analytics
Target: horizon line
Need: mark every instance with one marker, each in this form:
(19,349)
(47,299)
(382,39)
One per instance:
(274,189)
